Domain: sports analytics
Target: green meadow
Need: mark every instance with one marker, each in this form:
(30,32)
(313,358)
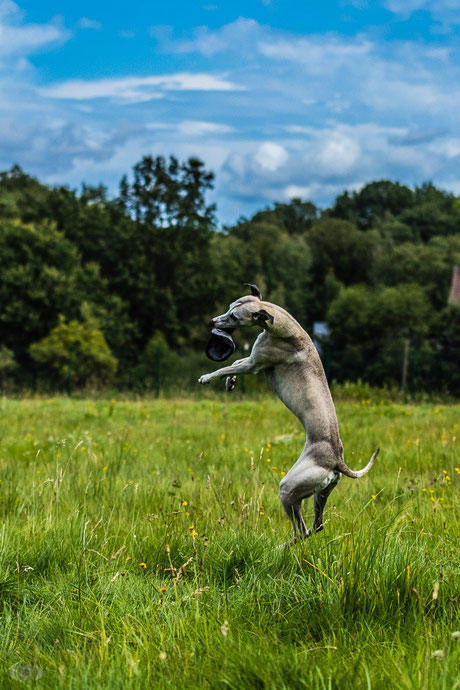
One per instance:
(138,545)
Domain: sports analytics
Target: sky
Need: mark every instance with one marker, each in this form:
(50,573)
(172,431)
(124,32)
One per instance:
(279,98)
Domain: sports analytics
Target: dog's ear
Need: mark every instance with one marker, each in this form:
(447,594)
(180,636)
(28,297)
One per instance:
(255,292)
(263,315)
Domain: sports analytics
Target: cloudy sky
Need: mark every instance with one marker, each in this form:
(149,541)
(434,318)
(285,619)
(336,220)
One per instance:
(280,98)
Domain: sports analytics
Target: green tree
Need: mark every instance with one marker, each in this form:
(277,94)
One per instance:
(369,327)
(372,202)
(297,216)
(172,237)
(428,219)
(78,348)
(39,280)
(429,265)
(170,193)
(341,255)
(445,372)
(260,250)
(157,366)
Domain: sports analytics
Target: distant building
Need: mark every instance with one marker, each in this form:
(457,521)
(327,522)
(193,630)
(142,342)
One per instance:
(454,295)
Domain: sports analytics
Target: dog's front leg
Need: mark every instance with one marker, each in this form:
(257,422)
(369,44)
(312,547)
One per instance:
(230,383)
(241,366)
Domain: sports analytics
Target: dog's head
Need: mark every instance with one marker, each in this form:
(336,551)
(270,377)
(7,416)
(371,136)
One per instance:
(246,311)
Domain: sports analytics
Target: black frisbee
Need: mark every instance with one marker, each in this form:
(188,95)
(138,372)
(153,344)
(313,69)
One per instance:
(220,345)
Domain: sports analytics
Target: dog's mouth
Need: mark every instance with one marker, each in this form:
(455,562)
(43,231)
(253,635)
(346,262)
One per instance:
(220,345)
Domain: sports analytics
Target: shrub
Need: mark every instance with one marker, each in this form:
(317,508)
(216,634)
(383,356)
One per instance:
(79,349)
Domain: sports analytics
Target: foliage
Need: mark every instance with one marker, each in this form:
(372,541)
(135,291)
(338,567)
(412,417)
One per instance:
(372,202)
(157,365)
(39,280)
(78,349)
(152,261)
(368,329)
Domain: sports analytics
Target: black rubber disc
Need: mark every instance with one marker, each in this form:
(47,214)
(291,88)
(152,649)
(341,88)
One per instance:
(220,345)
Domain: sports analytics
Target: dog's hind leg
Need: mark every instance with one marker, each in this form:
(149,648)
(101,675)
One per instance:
(320,501)
(304,532)
(292,504)
(309,476)
(294,512)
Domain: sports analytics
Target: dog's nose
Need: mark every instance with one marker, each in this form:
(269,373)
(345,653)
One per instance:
(212,323)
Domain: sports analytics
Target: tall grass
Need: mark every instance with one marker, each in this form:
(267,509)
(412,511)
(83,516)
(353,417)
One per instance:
(138,549)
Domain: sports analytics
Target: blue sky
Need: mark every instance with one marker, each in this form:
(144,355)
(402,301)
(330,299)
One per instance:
(279,98)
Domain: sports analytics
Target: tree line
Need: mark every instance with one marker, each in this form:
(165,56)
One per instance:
(97,290)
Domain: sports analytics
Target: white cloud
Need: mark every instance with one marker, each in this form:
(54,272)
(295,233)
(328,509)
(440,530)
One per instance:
(442,10)
(274,115)
(208,42)
(85,23)
(20,40)
(296,191)
(192,128)
(138,89)
(326,160)
(197,128)
(406,7)
(402,95)
(335,154)
(449,147)
(317,54)
(317,190)
(17,39)
(270,156)
(8,8)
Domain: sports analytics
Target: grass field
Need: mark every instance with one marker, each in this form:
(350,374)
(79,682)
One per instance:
(138,548)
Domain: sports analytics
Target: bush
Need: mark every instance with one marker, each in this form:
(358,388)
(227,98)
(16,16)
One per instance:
(157,366)
(78,348)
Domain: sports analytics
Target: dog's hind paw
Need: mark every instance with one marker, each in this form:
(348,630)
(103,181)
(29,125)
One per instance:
(230,383)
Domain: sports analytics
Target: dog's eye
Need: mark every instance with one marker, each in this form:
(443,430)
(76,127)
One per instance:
(232,316)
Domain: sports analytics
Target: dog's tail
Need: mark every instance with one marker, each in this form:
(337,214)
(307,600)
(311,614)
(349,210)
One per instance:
(341,467)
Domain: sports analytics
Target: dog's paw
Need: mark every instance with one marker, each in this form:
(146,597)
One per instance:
(230,383)
(206,378)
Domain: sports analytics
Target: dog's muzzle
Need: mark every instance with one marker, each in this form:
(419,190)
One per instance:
(220,345)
